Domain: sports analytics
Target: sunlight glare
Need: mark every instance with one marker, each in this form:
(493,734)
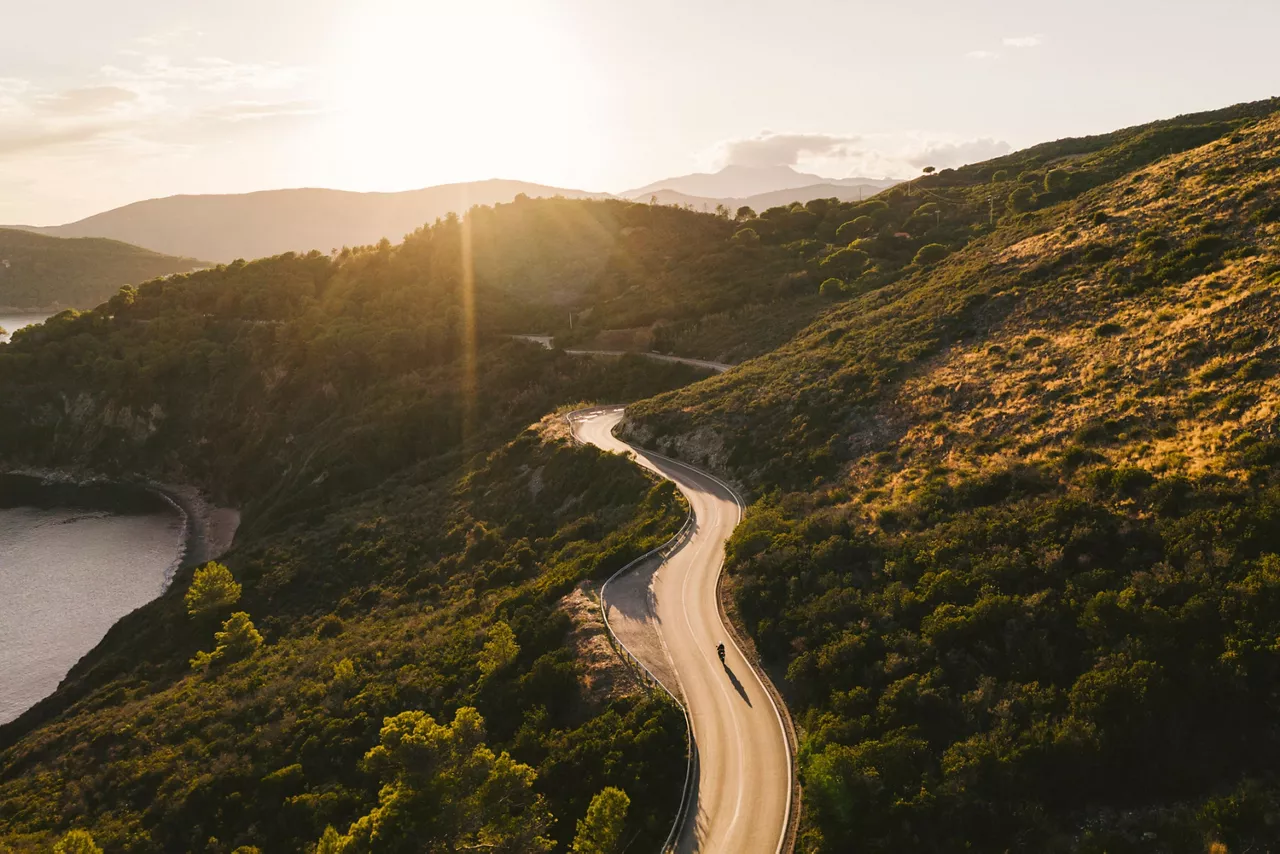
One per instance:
(441,92)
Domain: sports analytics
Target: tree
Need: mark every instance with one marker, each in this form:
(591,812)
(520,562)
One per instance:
(744,212)
(746,235)
(444,790)
(238,639)
(77,842)
(499,650)
(601,830)
(213,587)
(722,211)
(929,170)
(930,253)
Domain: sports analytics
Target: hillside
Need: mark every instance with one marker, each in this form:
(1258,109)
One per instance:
(1018,509)
(255,225)
(1010,437)
(48,273)
(410,544)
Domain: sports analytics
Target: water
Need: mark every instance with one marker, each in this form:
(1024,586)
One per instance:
(66,575)
(11,323)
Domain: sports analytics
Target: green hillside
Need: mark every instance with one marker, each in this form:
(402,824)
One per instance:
(1010,434)
(1018,510)
(409,544)
(48,273)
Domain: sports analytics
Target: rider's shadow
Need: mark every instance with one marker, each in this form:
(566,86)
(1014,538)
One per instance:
(737,686)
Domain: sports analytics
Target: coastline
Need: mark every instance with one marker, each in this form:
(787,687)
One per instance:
(208,531)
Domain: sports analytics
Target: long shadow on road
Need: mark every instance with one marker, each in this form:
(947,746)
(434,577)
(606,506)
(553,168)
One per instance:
(737,686)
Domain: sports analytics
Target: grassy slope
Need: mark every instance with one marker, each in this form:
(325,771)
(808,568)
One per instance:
(1019,506)
(53,272)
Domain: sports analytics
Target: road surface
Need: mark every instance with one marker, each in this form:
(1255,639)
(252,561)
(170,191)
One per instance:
(548,341)
(741,802)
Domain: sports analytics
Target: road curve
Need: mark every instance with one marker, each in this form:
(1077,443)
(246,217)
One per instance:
(742,796)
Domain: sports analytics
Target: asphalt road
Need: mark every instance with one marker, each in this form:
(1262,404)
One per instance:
(743,792)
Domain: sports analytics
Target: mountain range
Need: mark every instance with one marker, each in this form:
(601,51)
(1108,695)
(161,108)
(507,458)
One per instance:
(222,228)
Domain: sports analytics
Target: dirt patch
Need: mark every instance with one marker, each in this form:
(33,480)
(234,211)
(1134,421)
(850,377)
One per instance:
(605,676)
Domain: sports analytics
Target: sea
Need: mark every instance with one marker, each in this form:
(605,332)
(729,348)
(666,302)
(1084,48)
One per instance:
(73,561)
(11,323)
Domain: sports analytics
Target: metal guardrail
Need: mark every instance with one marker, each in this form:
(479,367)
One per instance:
(681,536)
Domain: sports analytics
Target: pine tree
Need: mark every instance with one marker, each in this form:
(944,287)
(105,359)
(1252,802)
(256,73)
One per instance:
(213,587)
(601,830)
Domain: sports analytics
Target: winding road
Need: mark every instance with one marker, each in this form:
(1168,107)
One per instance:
(741,799)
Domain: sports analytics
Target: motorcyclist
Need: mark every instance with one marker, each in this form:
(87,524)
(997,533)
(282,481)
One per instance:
(720,652)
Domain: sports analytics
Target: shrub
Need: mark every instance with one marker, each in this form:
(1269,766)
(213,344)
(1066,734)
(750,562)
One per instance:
(930,253)
(1000,175)
(857,227)
(832,288)
(1057,181)
(77,842)
(1100,217)
(746,236)
(1022,199)
(849,262)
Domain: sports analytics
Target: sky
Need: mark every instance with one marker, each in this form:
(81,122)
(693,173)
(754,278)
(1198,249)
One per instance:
(102,104)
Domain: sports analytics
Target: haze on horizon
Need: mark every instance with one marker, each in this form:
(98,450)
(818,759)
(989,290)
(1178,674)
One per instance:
(105,104)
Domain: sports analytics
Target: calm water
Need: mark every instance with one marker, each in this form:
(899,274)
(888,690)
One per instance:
(66,575)
(11,323)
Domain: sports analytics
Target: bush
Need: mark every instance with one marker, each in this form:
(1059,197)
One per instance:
(77,842)
(930,253)
(1000,175)
(832,288)
(1057,181)
(848,261)
(1022,199)
(746,235)
(854,228)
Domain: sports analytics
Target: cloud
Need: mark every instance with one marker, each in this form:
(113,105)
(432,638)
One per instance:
(982,54)
(947,155)
(14,142)
(93,99)
(145,106)
(865,155)
(783,149)
(209,74)
(1023,41)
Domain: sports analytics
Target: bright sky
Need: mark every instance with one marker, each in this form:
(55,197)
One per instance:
(102,103)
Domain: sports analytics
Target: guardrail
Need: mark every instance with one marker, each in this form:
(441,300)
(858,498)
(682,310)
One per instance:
(647,675)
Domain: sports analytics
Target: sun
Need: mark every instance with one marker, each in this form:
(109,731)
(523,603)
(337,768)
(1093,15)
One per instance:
(434,92)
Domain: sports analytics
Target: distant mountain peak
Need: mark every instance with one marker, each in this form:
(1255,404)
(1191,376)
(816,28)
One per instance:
(738,181)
